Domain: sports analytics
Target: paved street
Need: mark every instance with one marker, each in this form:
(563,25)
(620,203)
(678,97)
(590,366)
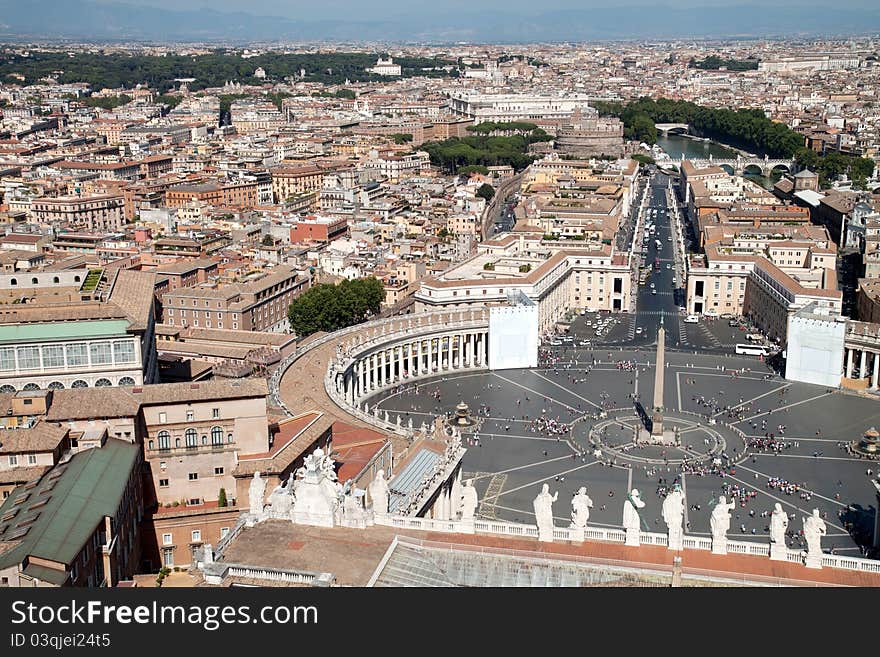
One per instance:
(514,456)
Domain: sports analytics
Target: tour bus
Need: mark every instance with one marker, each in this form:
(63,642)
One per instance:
(752,350)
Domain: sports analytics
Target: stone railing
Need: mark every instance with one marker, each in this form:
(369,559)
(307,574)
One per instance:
(216,573)
(615,535)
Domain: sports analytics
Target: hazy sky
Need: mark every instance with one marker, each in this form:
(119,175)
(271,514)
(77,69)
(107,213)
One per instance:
(376,10)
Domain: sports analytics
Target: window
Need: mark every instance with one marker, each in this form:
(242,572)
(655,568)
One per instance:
(229,438)
(219,471)
(167,539)
(196,535)
(215,413)
(29,358)
(216,436)
(7,359)
(168,557)
(13,459)
(189,416)
(191,439)
(194,501)
(193,476)
(150,444)
(101,353)
(79,383)
(77,355)
(53,356)
(164,440)
(123,352)
(103,383)
(163,417)
(163,483)
(224,532)
(32,459)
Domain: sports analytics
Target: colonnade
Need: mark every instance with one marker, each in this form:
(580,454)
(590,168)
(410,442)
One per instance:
(417,357)
(859,363)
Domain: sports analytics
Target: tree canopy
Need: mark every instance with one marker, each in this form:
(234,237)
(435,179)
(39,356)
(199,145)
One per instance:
(714,63)
(486,191)
(327,307)
(114,70)
(455,153)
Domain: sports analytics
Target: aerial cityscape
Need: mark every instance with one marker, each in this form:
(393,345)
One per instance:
(438,311)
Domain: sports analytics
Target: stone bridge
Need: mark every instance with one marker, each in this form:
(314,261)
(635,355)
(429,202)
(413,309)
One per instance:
(666,128)
(739,164)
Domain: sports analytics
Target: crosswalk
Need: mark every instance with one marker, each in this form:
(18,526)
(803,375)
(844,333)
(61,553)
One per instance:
(715,342)
(682,333)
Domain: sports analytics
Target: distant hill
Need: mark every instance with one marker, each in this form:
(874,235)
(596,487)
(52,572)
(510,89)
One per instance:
(108,21)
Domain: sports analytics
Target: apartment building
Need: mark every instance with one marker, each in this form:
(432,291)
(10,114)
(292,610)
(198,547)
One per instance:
(99,213)
(259,303)
(295,181)
(238,194)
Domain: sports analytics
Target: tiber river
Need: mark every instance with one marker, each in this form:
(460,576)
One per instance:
(678,145)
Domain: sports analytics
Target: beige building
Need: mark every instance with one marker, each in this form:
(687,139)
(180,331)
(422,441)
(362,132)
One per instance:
(259,303)
(97,213)
(295,181)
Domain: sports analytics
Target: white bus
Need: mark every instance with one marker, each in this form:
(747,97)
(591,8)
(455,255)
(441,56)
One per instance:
(753,349)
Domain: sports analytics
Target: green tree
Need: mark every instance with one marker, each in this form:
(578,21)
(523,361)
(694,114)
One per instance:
(401,137)
(221,498)
(486,191)
(268,240)
(327,307)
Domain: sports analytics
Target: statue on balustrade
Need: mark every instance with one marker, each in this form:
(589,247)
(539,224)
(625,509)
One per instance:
(719,522)
(468,500)
(378,490)
(580,508)
(673,516)
(256,491)
(543,506)
(814,530)
(778,525)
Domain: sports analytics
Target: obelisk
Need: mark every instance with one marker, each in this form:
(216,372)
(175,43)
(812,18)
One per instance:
(657,415)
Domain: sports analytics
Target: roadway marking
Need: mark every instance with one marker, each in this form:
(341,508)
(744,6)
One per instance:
(541,395)
(520,467)
(786,502)
(754,399)
(782,408)
(811,491)
(571,392)
(583,466)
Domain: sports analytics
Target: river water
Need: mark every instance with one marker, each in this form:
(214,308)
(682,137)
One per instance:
(677,145)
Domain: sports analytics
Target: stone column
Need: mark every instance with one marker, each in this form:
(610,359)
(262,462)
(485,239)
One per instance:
(382,369)
(863,364)
(449,350)
(876,376)
(419,365)
(849,364)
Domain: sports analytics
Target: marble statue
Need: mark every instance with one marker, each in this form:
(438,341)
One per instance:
(719,522)
(398,422)
(281,502)
(778,526)
(814,530)
(631,518)
(255,494)
(378,489)
(543,506)
(580,508)
(386,417)
(317,494)
(455,492)
(673,516)
(468,500)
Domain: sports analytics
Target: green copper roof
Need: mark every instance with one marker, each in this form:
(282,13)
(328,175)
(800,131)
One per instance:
(65,507)
(99,328)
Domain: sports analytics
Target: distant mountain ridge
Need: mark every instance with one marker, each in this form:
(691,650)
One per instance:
(90,20)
